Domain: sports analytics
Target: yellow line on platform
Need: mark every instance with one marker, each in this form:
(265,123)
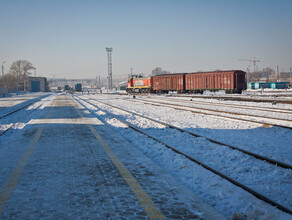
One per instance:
(145,201)
(15,174)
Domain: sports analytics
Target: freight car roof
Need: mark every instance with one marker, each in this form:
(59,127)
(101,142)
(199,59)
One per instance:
(221,71)
(171,74)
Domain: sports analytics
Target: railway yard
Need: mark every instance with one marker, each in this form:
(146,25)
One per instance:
(119,156)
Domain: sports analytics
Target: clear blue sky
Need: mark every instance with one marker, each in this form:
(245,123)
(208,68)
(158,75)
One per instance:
(68,38)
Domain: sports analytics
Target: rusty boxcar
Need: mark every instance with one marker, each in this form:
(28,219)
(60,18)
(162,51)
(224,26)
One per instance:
(232,81)
(168,82)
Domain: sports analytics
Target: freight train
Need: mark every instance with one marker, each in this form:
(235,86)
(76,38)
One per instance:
(232,81)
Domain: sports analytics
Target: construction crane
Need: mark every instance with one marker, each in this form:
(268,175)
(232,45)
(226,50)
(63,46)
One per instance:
(254,62)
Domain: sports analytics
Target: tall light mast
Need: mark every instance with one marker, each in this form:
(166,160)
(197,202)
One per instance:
(110,77)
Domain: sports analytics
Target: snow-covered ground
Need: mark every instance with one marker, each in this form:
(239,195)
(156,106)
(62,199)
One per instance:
(269,180)
(246,135)
(272,112)
(274,142)
(14,101)
(11,104)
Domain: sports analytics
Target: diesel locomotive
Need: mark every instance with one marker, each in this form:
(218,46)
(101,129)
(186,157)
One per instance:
(232,81)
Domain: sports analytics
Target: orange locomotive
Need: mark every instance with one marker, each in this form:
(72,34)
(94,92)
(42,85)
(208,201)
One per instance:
(139,84)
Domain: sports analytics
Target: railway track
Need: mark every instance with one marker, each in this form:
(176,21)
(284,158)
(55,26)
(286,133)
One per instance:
(246,99)
(183,108)
(22,107)
(230,98)
(267,109)
(17,110)
(263,158)
(233,181)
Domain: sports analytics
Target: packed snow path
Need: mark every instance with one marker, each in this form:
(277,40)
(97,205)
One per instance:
(65,163)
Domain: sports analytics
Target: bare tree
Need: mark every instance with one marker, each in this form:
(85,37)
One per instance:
(158,71)
(265,75)
(269,71)
(19,69)
(22,67)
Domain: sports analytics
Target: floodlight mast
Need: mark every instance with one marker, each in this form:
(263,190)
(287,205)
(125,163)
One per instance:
(109,78)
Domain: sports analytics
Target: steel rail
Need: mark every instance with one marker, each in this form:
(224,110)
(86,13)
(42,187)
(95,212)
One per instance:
(246,99)
(225,112)
(22,107)
(205,113)
(260,157)
(256,194)
(258,108)
(10,126)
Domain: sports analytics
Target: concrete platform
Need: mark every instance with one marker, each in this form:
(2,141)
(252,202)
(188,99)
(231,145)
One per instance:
(66,164)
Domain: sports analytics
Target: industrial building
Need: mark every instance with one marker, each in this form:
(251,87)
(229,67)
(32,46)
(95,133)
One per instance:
(271,85)
(38,84)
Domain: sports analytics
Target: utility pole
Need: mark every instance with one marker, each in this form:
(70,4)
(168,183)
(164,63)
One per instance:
(278,74)
(17,82)
(290,74)
(24,82)
(109,57)
(3,77)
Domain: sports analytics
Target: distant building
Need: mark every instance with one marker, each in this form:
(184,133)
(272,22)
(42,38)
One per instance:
(122,85)
(272,85)
(38,84)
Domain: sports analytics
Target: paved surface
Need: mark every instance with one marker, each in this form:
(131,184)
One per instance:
(66,164)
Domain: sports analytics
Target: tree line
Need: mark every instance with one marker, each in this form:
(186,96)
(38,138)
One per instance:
(18,71)
(268,75)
